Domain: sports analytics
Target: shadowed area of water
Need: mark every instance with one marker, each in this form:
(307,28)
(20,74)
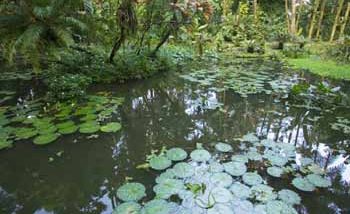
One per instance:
(162,111)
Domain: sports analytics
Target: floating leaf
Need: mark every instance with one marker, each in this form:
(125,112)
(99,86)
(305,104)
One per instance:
(215,167)
(240,158)
(221,195)
(68,130)
(128,208)
(220,209)
(318,180)
(252,138)
(200,155)
(131,192)
(89,128)
(254,156)
(169,173)
(176,154)
(25,133)
(242,207)
(303,184)
(168,187)
(263,193)
(235,168)
(279,207)
(157,206)
(221,179)
(252,178)
(183,170)
(289,197)
(111,127)
(240,190)
(275,171)
(45,139)
(223,147)
(160,163)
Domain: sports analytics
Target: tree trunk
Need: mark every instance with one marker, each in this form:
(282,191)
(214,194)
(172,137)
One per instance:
(336,20)
(346,17)
(117,45)
(255,8)
(313,19)
(320,19)
(293,30)
(286,3)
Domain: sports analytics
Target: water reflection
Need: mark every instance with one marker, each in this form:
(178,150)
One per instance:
(165,112)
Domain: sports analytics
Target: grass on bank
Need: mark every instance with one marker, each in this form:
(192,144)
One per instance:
(325,68)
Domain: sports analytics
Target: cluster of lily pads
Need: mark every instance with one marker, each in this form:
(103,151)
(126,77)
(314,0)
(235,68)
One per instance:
(45,124)
(225,181)
(243,81)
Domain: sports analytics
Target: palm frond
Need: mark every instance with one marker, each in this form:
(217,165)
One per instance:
(63,36)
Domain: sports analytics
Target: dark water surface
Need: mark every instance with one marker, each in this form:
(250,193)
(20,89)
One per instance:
(162,111)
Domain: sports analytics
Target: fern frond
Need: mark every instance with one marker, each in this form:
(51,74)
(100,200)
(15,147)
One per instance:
(64,37)
(73,22)
(30,37)
(42,12)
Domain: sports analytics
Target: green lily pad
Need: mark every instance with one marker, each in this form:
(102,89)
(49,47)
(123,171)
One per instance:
(275,171)
(183,170)
(160,163)
(25,133)
(235,168)
(200,155)
(215,167)
(303,184)
(289,197)
(252,138)
(4,143)
(176,154)
(279,207)
(220,209)
(252,178)
(254,156)
(131,192)
(221,179)
(242,207)
(89,128)
(223,147)
(68,130)
(45,139)
(157,206)
(65,125)
(128,208)
(111,127)
(240,158)
(221,195)
(89,117)
(263,193)
(318,180)
(169,173)
(240,190)
(168,187)
(50,129)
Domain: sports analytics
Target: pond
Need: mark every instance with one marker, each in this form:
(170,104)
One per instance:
(81,173)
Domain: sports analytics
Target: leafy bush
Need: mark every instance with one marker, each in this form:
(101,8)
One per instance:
(340,51)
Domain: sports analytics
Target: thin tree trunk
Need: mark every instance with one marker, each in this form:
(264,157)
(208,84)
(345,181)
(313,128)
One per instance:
(313,18)
(117,45)
(286,3)
(255,8)
(342,29)
(320,19)
(301,7)
(293,30)
(336,20)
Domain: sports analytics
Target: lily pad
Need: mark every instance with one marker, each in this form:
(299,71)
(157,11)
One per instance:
(242,207)
(45,139)
(221,195)
(252,138)
(131,192)
(263,193)
(252,178)
(25,133)
(200,155)
(223,147)
(157,206)
(289,197)
(303,184)
(128,208)
(176,154)
(168,187)
(220,209)
(68,130)
(215,167)
(275,171)
(235,168)
(221,179)
(240,158)
(279,207)
(183,170)
(89,128)
(111,127)
(240,190)
(160,163)
(318,180)
(254,156)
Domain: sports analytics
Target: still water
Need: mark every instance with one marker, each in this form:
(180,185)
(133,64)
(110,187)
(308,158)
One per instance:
(163,111)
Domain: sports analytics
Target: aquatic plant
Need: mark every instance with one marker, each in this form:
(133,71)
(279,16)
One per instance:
(131,192)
